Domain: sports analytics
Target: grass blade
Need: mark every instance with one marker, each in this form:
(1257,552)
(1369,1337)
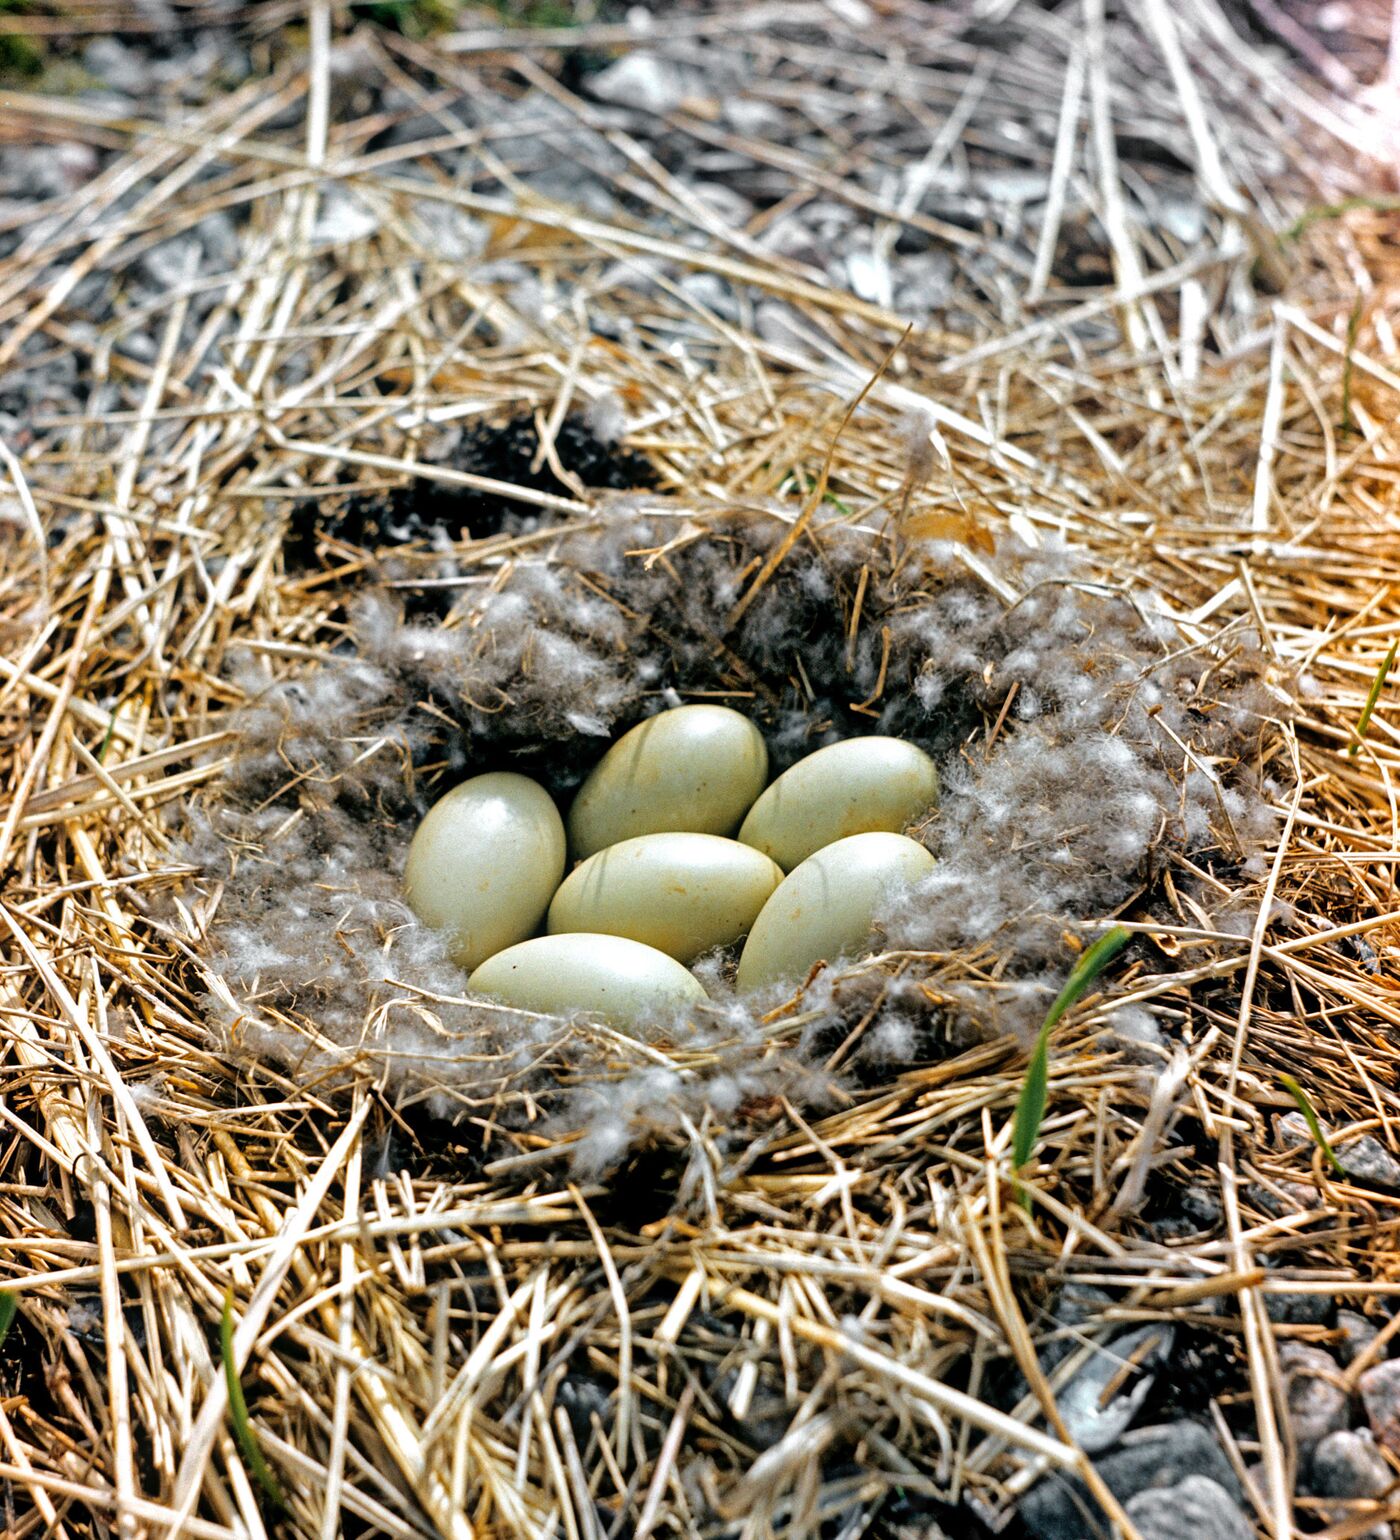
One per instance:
(1364,720)
(1030,1105)
(238,1412)
(1300,1096)
(1335,211)
(9,1309)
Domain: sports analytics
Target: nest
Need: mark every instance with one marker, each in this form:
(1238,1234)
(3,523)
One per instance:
(378,510)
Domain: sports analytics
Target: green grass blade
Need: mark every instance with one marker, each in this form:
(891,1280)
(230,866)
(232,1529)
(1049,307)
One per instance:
(1364,720)
(9,1309)
(1030,1105)
(1086,970)
(238,1412)
(107,736)
(1300,1096)
(1324,211)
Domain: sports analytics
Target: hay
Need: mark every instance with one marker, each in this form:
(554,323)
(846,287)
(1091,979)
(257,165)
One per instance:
(437,1330)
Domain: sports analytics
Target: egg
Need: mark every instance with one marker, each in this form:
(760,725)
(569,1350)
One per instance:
(853,787)
(484,864)
(681,893)
(695,769)
(609,976)
(825,907)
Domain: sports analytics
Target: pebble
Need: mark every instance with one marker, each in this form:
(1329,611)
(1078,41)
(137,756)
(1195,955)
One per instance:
(1348,1464)
(640,80)
(46,170)
(1317,1401)
(1101,1400)
(1191,1510)
(1163,1455)
(1365,1159)
(123,69)
(1354,1334)
(1380,1395)
(1289,1309)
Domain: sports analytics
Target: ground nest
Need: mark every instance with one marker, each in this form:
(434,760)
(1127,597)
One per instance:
(1083,745)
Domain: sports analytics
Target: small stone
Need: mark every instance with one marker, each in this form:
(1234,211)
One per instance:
(1317,1402)
(757,120)
(1291,1130)
(1076,1305)
(343,219)
(1367,1160)
(1281,1198)
(1354,1334)
(640,80)
(1101,1400)
(1201,1204)
(1159,1456)
(1164,1455)
(1380,1395)
(1192,1509)
(1348,1464)
(1298,1309)
(123,69)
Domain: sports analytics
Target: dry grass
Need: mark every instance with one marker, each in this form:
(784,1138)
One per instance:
(404,1342)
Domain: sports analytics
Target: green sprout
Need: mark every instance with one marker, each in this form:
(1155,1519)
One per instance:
(1030,1105)
(1364,720)
(411,18)
(21,53)
(9,1309)
(238,1412)
(1300,1096)
(1324,211)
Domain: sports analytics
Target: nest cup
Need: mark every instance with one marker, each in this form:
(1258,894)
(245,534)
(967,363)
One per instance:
(1047,698)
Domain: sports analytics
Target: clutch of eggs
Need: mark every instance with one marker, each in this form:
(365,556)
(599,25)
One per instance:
(681,846)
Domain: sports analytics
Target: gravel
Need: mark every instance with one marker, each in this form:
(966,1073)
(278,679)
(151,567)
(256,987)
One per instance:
(1354,1335)
(1380,1395)
(1101,1400)
(1152,1458)
(1348,1464)
(1365,1159)
(1316,1399)
(1191,1510)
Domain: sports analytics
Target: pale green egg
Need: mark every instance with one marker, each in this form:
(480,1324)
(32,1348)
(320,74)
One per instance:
(609,976)
(824,909)
(695,769)
(484,864)
(681,893)
(855,787)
